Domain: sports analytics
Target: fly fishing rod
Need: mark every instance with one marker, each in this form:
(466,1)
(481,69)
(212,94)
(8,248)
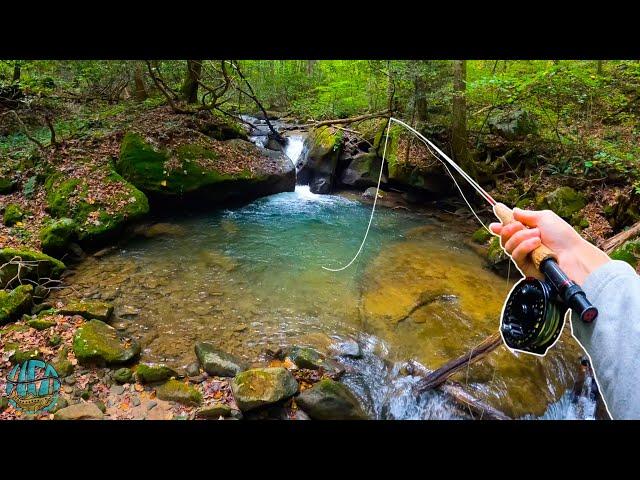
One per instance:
(533,314)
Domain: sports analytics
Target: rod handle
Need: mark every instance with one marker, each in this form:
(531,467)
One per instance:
(540,254)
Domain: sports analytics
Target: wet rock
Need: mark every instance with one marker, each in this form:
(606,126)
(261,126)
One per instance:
(216,362)
(15,303)
(56,236)
(347,348)
(330,400)
(176,391)
(371,193)
(151,404)
(214,411)
(160,229)
(89,310)
(79,411)
(123,375)
(135,401)
(42,265)
(363,171)
(152,373)
(319,159)
(193,369)
(305,357)
(95,342)
(263,386)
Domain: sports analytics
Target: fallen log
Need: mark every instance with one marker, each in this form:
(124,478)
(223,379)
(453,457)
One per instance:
(610,244)
(467,402)
(340,121)
(439,376)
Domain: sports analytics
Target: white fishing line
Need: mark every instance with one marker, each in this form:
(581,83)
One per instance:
(444,162)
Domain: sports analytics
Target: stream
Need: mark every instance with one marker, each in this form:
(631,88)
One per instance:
(251,278)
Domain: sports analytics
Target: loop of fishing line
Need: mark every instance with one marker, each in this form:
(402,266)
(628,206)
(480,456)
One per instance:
(444,160)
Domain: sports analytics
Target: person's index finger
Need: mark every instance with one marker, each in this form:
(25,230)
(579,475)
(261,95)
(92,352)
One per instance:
(495,227)
(529,218)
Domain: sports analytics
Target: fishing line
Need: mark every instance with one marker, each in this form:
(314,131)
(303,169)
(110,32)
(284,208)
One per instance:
(444,160)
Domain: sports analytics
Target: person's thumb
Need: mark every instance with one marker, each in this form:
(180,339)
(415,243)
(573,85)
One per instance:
(530,218)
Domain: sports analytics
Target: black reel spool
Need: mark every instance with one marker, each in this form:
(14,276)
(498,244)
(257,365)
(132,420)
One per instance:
(533,316)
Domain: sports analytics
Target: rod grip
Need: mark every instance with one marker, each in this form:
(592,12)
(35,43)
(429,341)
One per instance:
(540,254)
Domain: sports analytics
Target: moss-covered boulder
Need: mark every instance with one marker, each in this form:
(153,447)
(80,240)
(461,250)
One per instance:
(258,387)
(203,169)
(481,236)
(319,159)
(88,309)
(97,343)
(216,362)
(497,260)
(363,171)
(564,201)
(100,206)
(56,235)
(123,375)
(7,185)
(37,265)
(629,252)
(306,357)
(176,391)
(330,400)
(40,323)
(214,411)
(15,303)
(512,124)
(62,364)
(13,213)
(152,373)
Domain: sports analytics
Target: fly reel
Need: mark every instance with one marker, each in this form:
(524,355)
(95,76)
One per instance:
(533,316)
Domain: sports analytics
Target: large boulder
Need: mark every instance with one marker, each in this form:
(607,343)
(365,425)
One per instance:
(203,169)
(15,303)
(100,206)
(56,235)
(88,309)
(216,362)
(36,266)
(564,201)
(363,171)
(331,400)
(512,124)
(95,342)
(263,386)
(319,159)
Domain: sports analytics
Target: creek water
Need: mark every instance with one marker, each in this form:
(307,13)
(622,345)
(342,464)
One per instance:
(251,278)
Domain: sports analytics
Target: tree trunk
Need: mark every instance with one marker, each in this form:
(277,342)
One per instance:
(421,98)
(391,88)
(310,67)
(190,86)
(16,72)
(459,121)
(140,91)
(599,65)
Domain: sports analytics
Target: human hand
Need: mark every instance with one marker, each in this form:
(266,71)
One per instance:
(576,257)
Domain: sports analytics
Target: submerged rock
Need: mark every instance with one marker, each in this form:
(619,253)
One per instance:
(151,373)
(216,362)
(15,303)
(39,266)
(95,342)
(263,386)
(176,391)
(79,411)
(89,309)
(330,400)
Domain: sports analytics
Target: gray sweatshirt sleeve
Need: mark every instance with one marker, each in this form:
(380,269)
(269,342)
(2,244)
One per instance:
(613,340)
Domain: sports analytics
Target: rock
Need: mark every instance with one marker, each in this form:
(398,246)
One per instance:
(629,252)
(347,348)
(21,356)
(95,342)
(216,362)
(330,400)
(512,124)
(305,357)
(42,265)
(135,401)
(193,369)
(76,251)
(160,230)
(371,193)
(214,411)
(15,303)
(564,201)
(196,170)
(41,323)
(62,365)
(13,213)
(363,171)
(319,159)
(151,404)
(54,340)
(152,373)
(481,236)
(79,411)
(7,185)
(56,236)
(497,260)
(101,406)
(61,403)
(263,386)
(123,375)
(89,309)
(176,391)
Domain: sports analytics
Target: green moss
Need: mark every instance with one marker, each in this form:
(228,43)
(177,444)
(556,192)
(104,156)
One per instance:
(88,309)
(7,185)
(628,252)
(13,304)
(495,253)
(13,213)
(481,236)
(20,356)
(176,391)
(150,373)
(95,342)
(305,357)
(62,364)
(123,375)
(43,266)
(41,323)
(55,236)
(327,137)
(263,386)
(564,201)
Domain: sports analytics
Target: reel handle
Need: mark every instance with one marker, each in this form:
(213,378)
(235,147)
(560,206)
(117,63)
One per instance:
(540,254)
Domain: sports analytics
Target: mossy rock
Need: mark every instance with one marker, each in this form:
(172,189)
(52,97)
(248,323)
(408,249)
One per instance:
(74,198)
(62,364)
(7,185)
(44,265)
(481,236)
(13,213)
(363,171)
(123,375)
(628,252)
(564,201)
(330,400)
(512,124)
(41,323)
(306,357)
(15,303)
(176,391)
(258,387)
(20,356)
(216,362)
(214,411)
(497,260)
(320,154)
(88,309)
(152,373)
(55,236)
(97,343)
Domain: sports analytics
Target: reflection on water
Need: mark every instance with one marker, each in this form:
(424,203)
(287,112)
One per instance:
(251,278)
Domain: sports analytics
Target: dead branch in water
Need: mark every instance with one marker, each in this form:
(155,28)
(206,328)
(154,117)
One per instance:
(467,402)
